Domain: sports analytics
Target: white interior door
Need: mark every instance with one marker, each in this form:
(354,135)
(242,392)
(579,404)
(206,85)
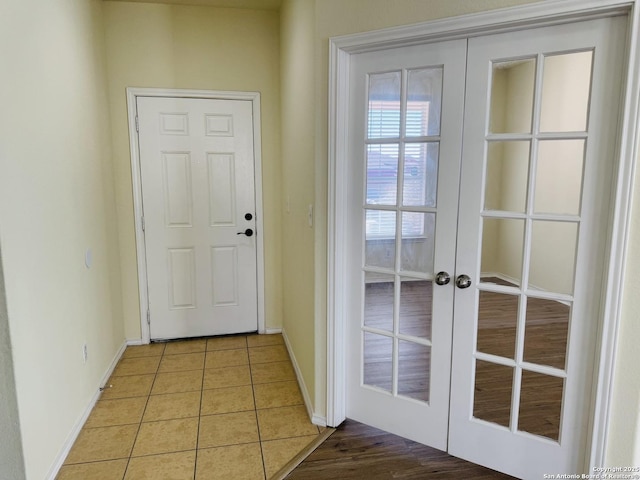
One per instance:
(198,191)
(497,365)
(406,129)
(540,135)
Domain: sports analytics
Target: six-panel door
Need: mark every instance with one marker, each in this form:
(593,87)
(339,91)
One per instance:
(197,170)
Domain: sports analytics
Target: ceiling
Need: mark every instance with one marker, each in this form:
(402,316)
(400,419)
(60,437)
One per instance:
(254,4)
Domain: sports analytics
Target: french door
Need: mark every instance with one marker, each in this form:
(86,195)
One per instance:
(403,231)
(480,177)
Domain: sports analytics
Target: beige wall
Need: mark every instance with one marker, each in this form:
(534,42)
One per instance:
(151,45)
(56,200)
(341,17)
(11,458)
(298,189)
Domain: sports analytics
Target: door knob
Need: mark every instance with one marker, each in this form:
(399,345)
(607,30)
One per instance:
(442,278)
(463,281)
(248,232)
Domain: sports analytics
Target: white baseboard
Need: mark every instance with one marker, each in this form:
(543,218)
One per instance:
(75,431)
(515,281)
(319,420)
(139,341)
(501,276)
(315,419)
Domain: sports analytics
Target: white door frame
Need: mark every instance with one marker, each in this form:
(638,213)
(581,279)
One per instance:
(254,98)
(550,12)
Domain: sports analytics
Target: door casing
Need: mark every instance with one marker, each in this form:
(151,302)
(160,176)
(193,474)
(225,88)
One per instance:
(628,143)
(254,98)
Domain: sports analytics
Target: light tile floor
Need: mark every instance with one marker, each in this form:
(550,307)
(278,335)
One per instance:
(205,409)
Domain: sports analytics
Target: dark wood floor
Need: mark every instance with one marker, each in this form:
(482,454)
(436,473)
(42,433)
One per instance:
(546,331)
(357,451)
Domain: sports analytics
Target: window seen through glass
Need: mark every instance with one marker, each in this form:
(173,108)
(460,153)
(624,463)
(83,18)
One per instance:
(416,184)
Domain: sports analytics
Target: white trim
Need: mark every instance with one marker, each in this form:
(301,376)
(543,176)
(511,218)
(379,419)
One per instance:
(499,275)
(75,431)
(516,18)
(273,331)
(544,13)
(319,420)
(629,149)
(254,97)
(136,182)
(533,289)
(336,232)
(315,419)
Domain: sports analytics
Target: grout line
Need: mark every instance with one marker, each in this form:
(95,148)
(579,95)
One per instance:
(204,367)
(135,439)
(255,407)
(163,453)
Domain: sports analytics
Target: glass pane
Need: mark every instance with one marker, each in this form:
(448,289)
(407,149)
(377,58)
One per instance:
(378,300)
(382,174)
(380,245)
(566,83)
(497,324)
(553,256)
(540,404)
(492,398)
(507,176)
(546,331)
(384,105)
(420,181)
(512,85)
(424,97)
(559,177)
(414,366)
(416,297)
(418,232)
(502,243)
(377,362)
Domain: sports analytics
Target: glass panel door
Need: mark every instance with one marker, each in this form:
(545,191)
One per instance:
(405,157)
(530,236)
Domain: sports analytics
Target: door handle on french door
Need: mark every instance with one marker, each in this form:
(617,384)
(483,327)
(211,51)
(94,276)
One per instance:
(248,232)
(442,278)
(463,281)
